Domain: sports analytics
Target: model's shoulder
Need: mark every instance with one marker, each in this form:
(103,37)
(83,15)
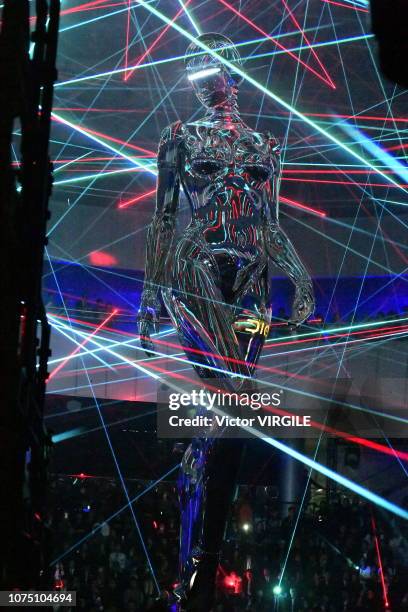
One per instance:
(171,132)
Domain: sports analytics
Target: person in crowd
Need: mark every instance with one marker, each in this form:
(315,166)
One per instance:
(332,566)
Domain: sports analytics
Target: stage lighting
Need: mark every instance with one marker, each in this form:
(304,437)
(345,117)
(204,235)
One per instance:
(246,527)
(234,582)
(200,74)
(277,590)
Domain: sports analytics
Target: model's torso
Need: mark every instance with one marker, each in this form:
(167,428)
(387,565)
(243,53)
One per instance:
(227,170)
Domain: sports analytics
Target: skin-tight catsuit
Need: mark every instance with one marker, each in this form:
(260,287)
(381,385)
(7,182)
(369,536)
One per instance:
(215,283)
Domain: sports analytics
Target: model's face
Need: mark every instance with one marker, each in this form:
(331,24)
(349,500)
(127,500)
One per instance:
(214,81)
(215,89)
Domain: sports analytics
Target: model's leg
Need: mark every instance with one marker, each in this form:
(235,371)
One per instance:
(204,321)
(223,455)
(198,306)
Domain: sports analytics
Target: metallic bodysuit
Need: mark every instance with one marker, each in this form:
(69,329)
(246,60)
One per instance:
(214,280)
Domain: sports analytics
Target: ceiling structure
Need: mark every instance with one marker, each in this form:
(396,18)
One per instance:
(311,78)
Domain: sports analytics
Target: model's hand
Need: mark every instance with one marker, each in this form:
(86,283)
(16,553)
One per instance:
(303,304)
(148,319)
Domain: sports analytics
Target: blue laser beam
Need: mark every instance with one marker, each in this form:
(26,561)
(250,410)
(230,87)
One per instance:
(269,93)
(114,457)
(114,515)
(378,152)
(329,473)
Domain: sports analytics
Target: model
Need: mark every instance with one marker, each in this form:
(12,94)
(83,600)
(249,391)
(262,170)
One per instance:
(215,283)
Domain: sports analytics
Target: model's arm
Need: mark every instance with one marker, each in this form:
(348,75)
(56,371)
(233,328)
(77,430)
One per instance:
(283,253)
(159,234)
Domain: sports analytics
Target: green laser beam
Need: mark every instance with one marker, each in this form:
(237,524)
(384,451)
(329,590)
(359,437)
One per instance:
(267,92)
(177,58)
(99,175)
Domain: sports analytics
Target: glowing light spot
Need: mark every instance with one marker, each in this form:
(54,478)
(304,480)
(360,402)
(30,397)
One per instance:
(101,258)
(200,74)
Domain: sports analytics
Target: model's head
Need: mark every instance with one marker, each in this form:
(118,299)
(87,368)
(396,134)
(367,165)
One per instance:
(214,83)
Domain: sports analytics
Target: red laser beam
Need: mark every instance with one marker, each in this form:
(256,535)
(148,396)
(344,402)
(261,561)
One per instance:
(350,344)
(354,439)
(345,435)
(351,183)
(276,42)
(75,160)
(319,213)
(85,341)
(101,174)
(321,115)
(315,424)
(89,324)
(351,438)
(355,8)
(371,335)
(305,38)
(93,8)
(293,203)
(384,329)
(142,196)
(365,117)
(87,6)
(318,171)
(112,139)
(154,43)
(403,145)
(83,109)
(90,160)
(77,297)
(377,548)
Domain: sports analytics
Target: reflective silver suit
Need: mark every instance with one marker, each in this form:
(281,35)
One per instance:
(214,280)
